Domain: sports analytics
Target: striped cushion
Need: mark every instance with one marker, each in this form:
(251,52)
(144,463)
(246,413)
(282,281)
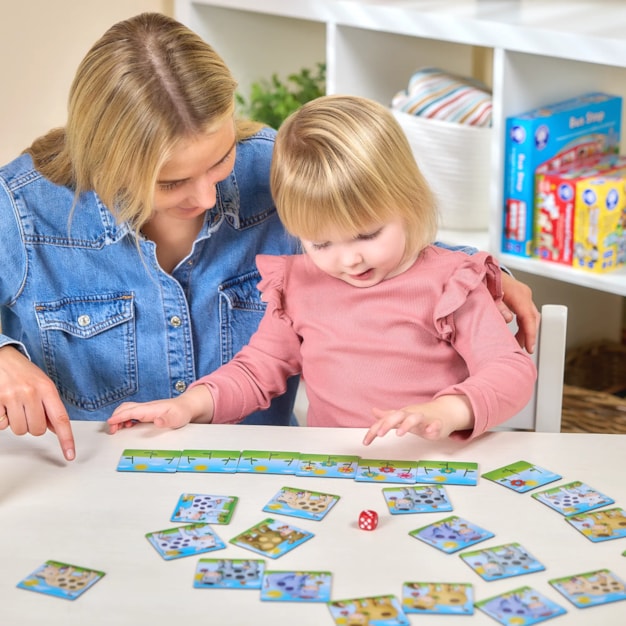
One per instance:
(436,94)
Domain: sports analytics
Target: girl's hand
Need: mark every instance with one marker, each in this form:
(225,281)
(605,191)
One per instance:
(196,404)
(430,420)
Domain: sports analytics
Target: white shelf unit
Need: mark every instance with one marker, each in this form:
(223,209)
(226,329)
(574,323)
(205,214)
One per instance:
(536,52)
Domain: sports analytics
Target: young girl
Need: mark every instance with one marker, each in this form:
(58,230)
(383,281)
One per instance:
(387,330)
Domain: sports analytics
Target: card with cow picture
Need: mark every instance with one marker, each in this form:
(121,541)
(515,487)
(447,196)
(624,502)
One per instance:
(229,573)
(301,503)
(451,534)
(495,563)
(375,610)
(438,598)
(591,588)
(601,525)
(199,507)
(271,538)
(61,580)
(416,499)
(188,540)
(292,586)
(523,606)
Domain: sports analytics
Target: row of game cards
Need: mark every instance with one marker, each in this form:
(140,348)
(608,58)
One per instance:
(295,463)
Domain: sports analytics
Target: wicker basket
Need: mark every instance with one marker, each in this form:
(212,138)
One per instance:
(594,374)
(588,411)
(600,366)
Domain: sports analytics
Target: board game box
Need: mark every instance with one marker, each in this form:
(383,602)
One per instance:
(580,212)
(548,138)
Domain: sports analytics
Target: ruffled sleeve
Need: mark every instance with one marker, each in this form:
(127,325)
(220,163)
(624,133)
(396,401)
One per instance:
(272,270)
(477,269)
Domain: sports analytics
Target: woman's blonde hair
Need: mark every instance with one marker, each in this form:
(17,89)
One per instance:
(147,83)
(343,162)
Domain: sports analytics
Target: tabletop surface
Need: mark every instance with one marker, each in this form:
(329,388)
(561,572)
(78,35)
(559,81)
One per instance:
(88,514)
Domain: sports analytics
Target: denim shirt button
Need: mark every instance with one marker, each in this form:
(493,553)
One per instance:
(84,320)
(175,321)
(180,386)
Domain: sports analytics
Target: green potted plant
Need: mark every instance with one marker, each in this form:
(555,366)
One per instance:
(271,101)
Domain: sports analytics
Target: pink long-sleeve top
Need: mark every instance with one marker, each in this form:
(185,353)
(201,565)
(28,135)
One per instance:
(433,330)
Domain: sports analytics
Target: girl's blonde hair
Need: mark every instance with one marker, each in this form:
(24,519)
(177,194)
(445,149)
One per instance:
(147,83)
(344,163)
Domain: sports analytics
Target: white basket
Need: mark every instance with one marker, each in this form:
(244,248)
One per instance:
(455,160)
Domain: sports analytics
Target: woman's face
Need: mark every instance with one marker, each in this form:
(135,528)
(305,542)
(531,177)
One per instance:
(186,183)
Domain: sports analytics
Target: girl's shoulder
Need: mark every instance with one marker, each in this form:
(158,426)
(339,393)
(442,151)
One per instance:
(434,256)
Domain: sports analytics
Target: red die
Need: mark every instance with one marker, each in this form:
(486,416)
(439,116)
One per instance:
(368,520)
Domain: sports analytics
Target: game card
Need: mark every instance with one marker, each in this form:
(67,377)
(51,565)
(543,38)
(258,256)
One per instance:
(271,538)
(451,534)
(377,470)
(327,466)
(591,588)
(149,461)
(416,499)
(268,462)
(387,609)
(573,498)
(438,598)
(524,605)
(447,473)
(214,461)
(504,561)
(229,574)
(189,540)
(197,507)
(521,476)
(292,586)
(61,580)
(600,525)
(300,503)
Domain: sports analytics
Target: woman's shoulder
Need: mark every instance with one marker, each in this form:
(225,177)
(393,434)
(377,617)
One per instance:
(262,139)
(252,165)
(18,171)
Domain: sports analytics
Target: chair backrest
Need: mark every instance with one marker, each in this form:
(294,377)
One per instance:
(543,411)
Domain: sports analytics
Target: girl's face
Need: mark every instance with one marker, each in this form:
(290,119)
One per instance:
(186,183)
(365,260)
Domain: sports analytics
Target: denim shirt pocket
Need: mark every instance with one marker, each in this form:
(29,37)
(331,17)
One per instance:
(89,347)
(241,310)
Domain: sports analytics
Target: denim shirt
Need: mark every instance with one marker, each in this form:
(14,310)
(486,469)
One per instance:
(89,304)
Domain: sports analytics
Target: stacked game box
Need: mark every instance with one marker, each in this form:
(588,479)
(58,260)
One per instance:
(599,240)
(548,138)
(579,213)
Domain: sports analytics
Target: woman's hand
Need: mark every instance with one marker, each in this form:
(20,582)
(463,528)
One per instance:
(518,301)
(30,402)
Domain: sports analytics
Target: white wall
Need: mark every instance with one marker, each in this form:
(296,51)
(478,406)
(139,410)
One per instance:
(41,45)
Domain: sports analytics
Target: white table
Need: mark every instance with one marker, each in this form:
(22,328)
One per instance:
(88,514)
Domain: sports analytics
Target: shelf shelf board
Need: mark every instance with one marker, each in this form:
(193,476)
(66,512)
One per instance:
(577,31)
(612,282)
